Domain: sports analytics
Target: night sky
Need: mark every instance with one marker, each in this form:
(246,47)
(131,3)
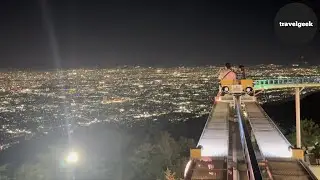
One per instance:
(83,33)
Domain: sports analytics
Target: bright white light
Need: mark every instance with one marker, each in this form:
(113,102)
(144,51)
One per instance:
(214,140)
(215,151)
(275,150)
(245,114)
(273,145)
(214,147)
(72,158)
(187,168)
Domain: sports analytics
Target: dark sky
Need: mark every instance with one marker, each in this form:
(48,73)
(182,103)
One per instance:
(83,33)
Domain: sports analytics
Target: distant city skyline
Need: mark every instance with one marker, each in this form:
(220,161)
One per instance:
(293,64)
(38,102)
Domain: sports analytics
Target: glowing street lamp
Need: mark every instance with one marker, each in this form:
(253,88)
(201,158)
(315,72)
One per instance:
(72,158)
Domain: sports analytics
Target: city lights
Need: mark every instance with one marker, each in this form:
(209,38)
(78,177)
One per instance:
(132,94)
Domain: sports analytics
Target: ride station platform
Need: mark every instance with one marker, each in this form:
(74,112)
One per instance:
(240,141)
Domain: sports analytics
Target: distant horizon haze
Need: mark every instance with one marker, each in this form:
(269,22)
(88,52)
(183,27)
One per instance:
(156,66)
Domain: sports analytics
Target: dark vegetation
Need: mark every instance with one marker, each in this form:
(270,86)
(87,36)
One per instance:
(148,150)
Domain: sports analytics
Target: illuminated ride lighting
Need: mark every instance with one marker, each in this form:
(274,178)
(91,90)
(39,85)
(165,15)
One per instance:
(272,143)
(215,136)
(273,146)
(249,89)
(225,89)
(245,114)
(187,168)
(269,139)
(219,149)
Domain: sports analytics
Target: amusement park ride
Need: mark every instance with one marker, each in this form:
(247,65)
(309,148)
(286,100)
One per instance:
(240,141)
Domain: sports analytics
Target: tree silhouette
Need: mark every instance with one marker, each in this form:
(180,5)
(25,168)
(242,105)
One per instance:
(316,152)
(169,175)
(4,172)
(310,133)
(111,154)
(152,159)
(31,172)
(46,166)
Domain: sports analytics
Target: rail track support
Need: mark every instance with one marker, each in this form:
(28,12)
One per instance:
(195,153)
(298,153)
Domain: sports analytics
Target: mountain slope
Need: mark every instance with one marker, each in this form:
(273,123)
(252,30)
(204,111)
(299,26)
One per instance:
(284,112)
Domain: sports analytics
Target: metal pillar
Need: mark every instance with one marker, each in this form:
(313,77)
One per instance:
(234,154)
(298,128)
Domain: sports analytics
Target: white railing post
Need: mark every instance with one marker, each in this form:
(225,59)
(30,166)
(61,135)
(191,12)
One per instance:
(298,128)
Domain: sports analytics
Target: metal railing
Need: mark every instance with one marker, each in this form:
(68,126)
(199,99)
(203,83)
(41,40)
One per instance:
(285,81)
(254,172)
(307,169)
(208,119)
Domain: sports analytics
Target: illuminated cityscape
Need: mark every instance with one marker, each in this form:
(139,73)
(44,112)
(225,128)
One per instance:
(145,90)
(34,102)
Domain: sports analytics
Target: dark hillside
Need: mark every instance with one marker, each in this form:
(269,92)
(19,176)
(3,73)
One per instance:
(284,112)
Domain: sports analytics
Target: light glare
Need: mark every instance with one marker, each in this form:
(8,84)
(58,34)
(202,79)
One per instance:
(72,157)
(187,168)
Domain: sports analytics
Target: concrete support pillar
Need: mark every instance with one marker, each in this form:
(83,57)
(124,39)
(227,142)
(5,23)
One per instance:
(298,128)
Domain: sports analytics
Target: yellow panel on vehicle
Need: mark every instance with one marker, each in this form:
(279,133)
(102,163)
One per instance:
(195,153)
(297,153)
(228,82)
(246,83)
